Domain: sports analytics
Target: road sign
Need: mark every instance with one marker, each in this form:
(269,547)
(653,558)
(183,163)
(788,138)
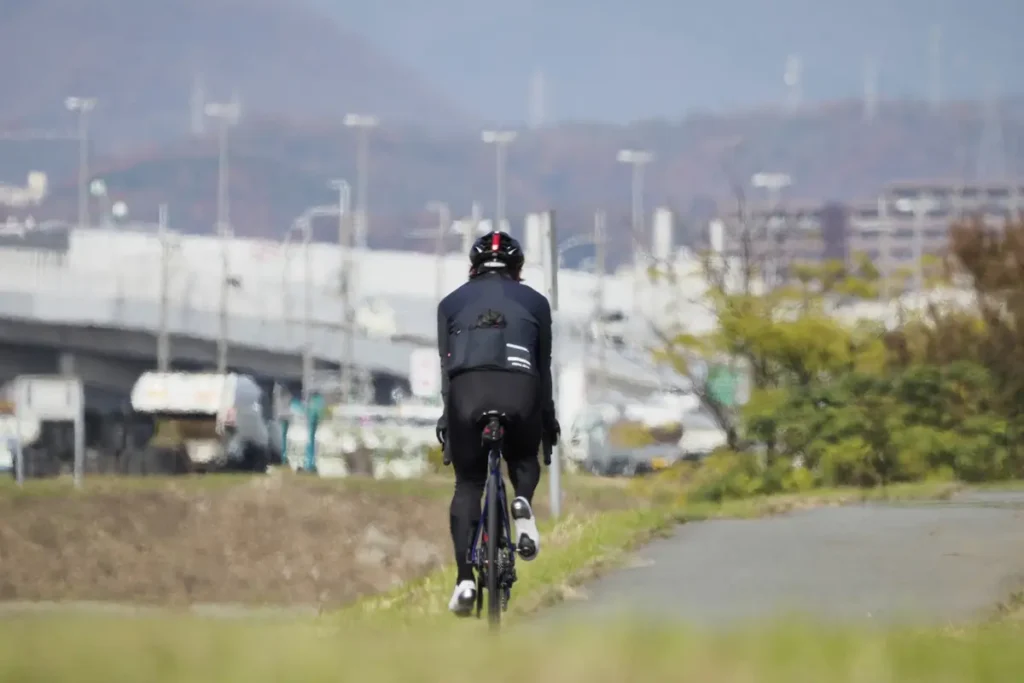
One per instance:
(424,373)
(49,398)
(723,383)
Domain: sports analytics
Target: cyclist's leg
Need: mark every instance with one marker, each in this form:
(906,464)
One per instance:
(470,464)
(524,471)
(522,444)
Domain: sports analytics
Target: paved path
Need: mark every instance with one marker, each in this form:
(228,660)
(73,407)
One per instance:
(923,561)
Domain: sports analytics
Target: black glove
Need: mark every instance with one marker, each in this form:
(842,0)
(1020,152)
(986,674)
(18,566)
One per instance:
(552,430)
(441,432)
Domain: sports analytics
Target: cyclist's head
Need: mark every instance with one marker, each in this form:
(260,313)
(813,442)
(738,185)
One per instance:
(496,252)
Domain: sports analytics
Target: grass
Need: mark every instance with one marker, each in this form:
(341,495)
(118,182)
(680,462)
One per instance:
(406,635)
(176,650)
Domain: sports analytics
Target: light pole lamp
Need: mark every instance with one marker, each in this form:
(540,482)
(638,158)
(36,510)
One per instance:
(773,183)
(362,123)
(501,139)
(82,106)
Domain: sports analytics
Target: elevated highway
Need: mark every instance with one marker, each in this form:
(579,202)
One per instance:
(102,300)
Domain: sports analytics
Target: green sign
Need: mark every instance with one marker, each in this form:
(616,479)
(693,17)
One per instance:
(722,384)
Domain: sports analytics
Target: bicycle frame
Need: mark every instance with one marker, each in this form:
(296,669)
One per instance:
(493,470)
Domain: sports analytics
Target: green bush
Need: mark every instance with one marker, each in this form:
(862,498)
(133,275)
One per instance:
(725,475)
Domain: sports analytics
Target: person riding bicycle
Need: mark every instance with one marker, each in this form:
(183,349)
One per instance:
(494,341)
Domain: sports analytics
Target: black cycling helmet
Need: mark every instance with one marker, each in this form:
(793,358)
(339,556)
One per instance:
(496,250)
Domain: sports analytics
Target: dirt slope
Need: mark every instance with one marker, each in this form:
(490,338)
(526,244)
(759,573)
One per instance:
(262,541)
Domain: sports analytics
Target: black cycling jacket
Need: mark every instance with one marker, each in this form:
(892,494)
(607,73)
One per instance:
(493,322)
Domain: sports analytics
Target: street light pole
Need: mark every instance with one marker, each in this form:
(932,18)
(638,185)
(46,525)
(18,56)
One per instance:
(362,123)
(82,106)
(599,267)
(501,139)
(304,226)
(444,222)
(163,340)
(346,358)
(550,252)
(637,159)
(227,115)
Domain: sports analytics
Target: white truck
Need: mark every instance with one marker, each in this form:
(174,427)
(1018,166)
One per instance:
(43,415)
(202,422)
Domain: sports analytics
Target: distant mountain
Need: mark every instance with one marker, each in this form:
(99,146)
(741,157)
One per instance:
(142,59)
(831,153)
(623,61)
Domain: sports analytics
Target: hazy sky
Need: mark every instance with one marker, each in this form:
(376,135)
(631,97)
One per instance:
(616,60)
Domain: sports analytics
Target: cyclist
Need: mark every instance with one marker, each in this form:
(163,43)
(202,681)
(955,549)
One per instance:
(494,340)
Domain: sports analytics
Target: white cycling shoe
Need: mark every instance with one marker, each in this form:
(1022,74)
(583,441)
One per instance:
(528,543)
(463,599)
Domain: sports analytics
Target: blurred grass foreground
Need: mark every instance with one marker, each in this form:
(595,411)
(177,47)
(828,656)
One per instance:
(37,648)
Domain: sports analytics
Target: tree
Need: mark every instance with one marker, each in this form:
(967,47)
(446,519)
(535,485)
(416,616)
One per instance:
(772,322)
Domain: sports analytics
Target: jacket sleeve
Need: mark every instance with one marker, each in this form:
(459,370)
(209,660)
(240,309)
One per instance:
(544,356)
(442,351)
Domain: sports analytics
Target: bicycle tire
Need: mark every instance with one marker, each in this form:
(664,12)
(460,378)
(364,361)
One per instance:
(493,535)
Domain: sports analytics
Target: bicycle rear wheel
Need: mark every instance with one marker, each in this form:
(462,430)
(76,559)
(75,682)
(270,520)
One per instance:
(493,535)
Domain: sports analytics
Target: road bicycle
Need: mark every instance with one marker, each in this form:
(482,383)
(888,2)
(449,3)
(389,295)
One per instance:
(492,553)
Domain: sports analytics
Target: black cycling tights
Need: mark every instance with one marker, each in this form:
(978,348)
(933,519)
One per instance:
(471,394)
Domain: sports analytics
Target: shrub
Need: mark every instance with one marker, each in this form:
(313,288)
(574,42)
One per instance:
(725,475)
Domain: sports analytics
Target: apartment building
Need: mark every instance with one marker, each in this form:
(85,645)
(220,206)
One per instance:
(885,229)
(785,234)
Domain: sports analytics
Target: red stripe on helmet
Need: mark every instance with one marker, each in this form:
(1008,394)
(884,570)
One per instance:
(495,241)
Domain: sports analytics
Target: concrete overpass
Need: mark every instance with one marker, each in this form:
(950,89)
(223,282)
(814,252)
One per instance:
(101,300)
(42,333)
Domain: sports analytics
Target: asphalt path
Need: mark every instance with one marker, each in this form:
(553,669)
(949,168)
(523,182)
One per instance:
(921,562)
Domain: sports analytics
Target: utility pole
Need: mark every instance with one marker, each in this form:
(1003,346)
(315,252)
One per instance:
(163,341)
(501,139)
(82,106)
(227,115)
(637,159)
(346,359)
(363,123)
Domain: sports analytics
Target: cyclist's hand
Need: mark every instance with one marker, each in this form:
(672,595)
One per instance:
(554,431)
